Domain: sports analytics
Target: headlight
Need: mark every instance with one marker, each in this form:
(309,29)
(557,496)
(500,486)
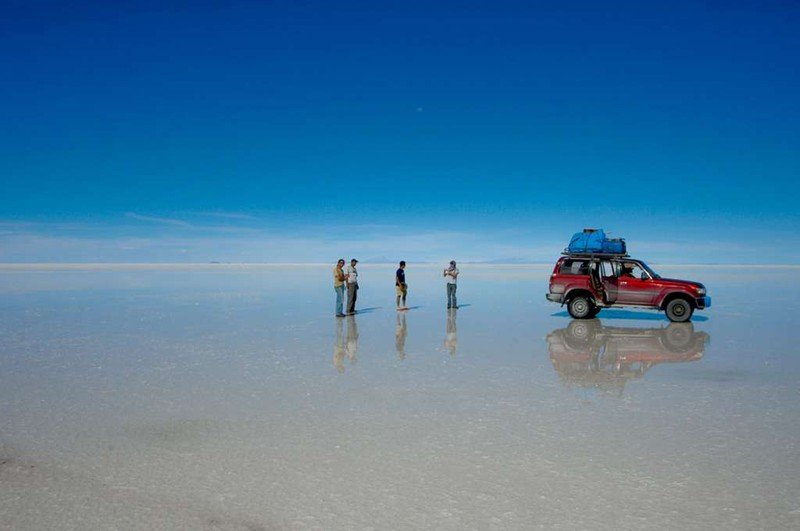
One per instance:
(701,291)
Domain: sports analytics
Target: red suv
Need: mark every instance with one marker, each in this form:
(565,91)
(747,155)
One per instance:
(588,283)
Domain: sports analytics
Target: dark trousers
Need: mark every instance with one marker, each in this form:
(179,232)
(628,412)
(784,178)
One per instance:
(451,296)
(352,294)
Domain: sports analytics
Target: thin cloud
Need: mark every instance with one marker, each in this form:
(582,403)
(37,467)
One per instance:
(157,219)
(221,228)
(239,216)
(159,243)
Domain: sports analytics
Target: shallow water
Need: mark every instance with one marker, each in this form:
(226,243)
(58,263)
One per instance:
(231,397)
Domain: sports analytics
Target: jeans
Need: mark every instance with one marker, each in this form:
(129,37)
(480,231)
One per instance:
(352,295)
(339,299)
(451,296)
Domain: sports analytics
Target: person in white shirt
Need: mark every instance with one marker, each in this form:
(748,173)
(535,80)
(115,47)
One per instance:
(451,275)
(352,286)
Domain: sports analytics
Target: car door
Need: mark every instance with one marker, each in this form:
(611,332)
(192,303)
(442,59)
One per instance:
(637,289)
(609,281)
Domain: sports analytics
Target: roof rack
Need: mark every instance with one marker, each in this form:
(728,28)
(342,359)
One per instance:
(565,252)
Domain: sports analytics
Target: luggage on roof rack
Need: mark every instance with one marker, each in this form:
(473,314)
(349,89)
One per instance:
(595,242)
(595,255)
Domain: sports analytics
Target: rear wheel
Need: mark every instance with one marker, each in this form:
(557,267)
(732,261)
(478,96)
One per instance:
(595,311)
(679,310)
(580,307)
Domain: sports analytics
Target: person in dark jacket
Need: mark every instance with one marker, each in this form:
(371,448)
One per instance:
(400,286)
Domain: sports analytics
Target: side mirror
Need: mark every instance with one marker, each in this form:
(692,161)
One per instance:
(645,277)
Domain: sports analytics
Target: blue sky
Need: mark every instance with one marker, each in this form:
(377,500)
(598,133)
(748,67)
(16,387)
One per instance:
(301,131)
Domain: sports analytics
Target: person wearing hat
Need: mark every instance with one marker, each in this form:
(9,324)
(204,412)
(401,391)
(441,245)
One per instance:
(450,275)
(352,286)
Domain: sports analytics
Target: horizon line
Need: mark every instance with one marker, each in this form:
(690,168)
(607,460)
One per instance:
(21,266)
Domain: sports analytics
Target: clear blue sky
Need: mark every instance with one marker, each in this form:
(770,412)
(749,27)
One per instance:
(294,131)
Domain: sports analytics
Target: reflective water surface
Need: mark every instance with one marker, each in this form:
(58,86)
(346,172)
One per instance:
(231,398)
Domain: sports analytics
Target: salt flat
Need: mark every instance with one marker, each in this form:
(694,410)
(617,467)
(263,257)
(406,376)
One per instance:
(230,397)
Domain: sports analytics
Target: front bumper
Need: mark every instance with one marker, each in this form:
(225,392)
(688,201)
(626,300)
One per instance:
(555,297)
(703,302)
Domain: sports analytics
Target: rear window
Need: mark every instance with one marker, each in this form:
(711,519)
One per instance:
(574,267)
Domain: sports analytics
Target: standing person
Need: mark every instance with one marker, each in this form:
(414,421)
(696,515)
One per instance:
(401,286)
(339,279)
(451,275)
(352,286)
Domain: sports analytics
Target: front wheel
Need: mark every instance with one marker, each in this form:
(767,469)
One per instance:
(679,310)
(580,308)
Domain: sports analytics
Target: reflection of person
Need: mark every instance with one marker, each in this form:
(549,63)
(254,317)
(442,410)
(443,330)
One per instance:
(339,351)
(352,286)
(351,342)
(401,286)
(400,333)
(451,275)
(338,286)
(451,338)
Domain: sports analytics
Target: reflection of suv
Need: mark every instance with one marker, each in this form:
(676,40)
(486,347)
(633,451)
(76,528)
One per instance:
(591,355)
(587,283)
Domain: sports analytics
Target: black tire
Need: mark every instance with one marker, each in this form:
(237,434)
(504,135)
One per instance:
(580,307)
(595,311)
(679,310)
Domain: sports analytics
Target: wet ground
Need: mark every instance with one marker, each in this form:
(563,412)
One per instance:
(231,398)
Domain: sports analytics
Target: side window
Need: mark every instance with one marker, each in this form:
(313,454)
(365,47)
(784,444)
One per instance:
(574,267)
(632,270)
(638,271)
(607,269)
